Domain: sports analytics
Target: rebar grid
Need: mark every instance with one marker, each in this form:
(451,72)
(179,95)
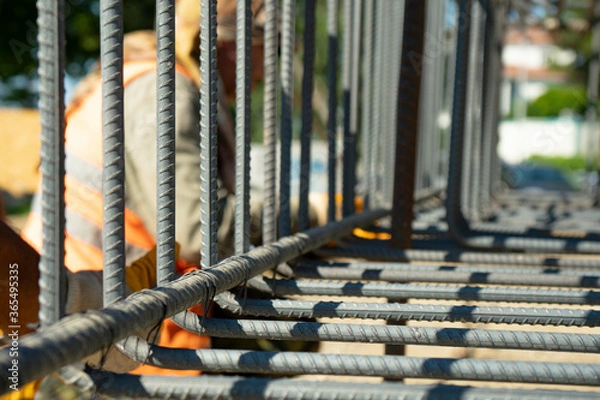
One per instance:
(385,110)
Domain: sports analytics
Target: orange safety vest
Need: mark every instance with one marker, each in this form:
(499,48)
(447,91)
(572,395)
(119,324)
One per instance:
(83,200)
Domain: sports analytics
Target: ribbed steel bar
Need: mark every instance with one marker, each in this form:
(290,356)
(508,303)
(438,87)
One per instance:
(460,256)
(288,12)
(406,123)
(307,112)
(233,387)
(416,273)
(332,67)
(470,268)
(366,153)
(208,132)
(243,134)
(490,106)
(392,367)
(85,334)
(51,55)
(165,122)
(386,334)
(404,312)
(375,168)
(347,65)
(399,291)
(270,122)
(470,99)
(113,187)
(476,110)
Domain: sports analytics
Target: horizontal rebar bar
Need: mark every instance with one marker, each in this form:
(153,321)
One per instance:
(404,312)
(397,291)
(457,275)
(387,334)
(84,334)
(392,367)
(234,387)
(461,256)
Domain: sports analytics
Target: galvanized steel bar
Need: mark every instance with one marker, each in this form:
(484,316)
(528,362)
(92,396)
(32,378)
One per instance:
(51,55)
(332,67)
(347,65)
(113,188)
(406,312)
(400,291)
(288,12)
(392,367)
(208,132)
(85,334)
(307,112)
(208,387)
(386,334)
(270,122)
(243,134)
(367,103)
(165,122)
(406,123)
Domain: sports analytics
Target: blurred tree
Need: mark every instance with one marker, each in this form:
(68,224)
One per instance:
(556,99)
(18,58)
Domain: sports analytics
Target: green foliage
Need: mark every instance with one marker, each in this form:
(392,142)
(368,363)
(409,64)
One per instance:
(556,99)
(574,163)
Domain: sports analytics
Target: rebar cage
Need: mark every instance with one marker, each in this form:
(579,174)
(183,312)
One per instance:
(400,255)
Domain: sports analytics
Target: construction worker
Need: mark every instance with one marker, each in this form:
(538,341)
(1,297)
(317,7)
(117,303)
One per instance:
(83,180)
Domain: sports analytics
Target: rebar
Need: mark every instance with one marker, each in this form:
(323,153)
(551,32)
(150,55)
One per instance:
(113,188)
(407,312)
(51,54)
(386,334)
(332,66)
(243,134)
(307,112)
(208,133)
(270,122)
(288,12)
(221,387)
(165,153)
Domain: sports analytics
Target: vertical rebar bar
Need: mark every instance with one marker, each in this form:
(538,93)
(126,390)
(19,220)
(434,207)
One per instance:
(376,111)
(270,122)
(490,107)
(113,188)
(347,191)
(470,105)
(307,111)
(367,104)
(476,110)
(287,93)
(332,66)
(51,54)
(243,135)
(208,132)
(351,143)
(407,122)
(165,153)
(461,76)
